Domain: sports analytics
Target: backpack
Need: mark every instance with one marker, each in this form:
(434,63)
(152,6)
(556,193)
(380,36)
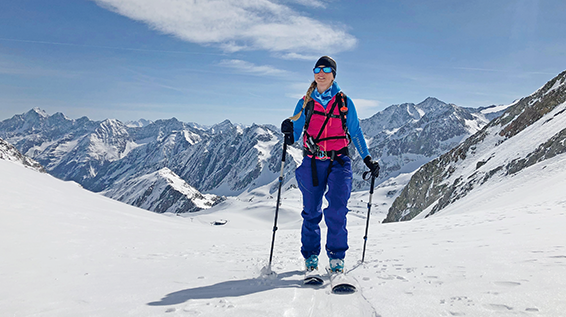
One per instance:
(341,101)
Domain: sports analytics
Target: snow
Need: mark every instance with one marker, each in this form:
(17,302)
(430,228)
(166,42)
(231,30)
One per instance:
(500,251)
(191,137)
(457,139)
(391,132)
(497,108)
(518,147)
(134,189)
(264,148)
(475,125)
(419,110)
(181,186)
(130,146)
(557,85)
(40,112)
(410,162)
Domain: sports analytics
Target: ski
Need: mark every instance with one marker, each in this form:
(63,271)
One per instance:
(341,284)
(313,278)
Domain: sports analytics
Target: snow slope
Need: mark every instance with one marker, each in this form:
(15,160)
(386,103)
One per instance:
(65,251)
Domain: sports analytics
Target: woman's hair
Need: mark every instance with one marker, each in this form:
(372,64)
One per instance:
(307,99)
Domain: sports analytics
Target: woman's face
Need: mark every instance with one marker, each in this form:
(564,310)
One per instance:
(323,80)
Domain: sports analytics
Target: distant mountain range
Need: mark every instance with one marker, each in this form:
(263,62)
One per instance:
(171,166)
(532,130)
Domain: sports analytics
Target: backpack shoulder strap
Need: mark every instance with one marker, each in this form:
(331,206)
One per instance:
(343,103)
(309,110)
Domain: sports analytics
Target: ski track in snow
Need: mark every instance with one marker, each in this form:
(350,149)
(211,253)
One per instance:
(501,251)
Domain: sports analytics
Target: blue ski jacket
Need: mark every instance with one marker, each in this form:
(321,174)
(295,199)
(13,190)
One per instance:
(352,121)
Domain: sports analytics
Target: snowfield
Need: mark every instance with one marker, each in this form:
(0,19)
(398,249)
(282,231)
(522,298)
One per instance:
(65,251)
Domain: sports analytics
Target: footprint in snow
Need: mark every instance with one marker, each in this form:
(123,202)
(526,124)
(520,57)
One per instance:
(498,307)
(507,284)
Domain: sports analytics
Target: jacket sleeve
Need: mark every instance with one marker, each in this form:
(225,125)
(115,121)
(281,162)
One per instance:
(355,130)
(300,123)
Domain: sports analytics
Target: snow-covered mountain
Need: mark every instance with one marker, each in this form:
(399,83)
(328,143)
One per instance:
(138,124)
(69,252)
(225,159)
(79,150)
(9,153)
(161,191)
(403,137)
(530,132)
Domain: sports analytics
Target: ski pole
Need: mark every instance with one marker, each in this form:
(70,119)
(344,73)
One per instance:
(369,211)
(277,206)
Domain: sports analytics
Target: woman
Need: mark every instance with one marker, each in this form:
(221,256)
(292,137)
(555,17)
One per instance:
(327,119)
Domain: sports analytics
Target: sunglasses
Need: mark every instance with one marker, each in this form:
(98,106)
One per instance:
(327,70)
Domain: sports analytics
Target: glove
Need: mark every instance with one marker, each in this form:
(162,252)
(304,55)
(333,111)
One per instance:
(287,129)
(372,165)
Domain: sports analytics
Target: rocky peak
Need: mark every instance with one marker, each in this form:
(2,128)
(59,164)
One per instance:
(223,127)
(530,131)
(431,104)
(111,128)
(530,109)
(9,153)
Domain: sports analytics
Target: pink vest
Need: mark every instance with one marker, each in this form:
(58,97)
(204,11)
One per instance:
(332,129)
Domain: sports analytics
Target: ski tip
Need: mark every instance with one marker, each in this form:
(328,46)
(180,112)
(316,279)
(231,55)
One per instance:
(344,289)
(314,281)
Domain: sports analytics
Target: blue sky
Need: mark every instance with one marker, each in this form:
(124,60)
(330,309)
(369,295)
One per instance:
(250,60)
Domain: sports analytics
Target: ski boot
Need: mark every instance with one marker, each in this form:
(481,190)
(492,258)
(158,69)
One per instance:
(312,277)
(336,266)
(311,263)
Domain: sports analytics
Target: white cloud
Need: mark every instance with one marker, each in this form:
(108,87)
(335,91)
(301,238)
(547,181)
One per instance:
(366,107)
(366,103)
(251,68)
(295,56)
(308,3)
(236,25)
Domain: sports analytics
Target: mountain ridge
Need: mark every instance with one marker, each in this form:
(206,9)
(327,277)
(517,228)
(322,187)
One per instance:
(8,152)
(529,132)
(225,159)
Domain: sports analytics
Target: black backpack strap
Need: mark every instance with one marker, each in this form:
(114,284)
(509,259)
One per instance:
(328,116)
(309,110)
(344,114)
(314,172)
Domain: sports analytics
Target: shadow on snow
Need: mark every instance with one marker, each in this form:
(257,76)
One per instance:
(232,289)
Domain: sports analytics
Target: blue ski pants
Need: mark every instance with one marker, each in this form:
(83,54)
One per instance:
(336,180)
